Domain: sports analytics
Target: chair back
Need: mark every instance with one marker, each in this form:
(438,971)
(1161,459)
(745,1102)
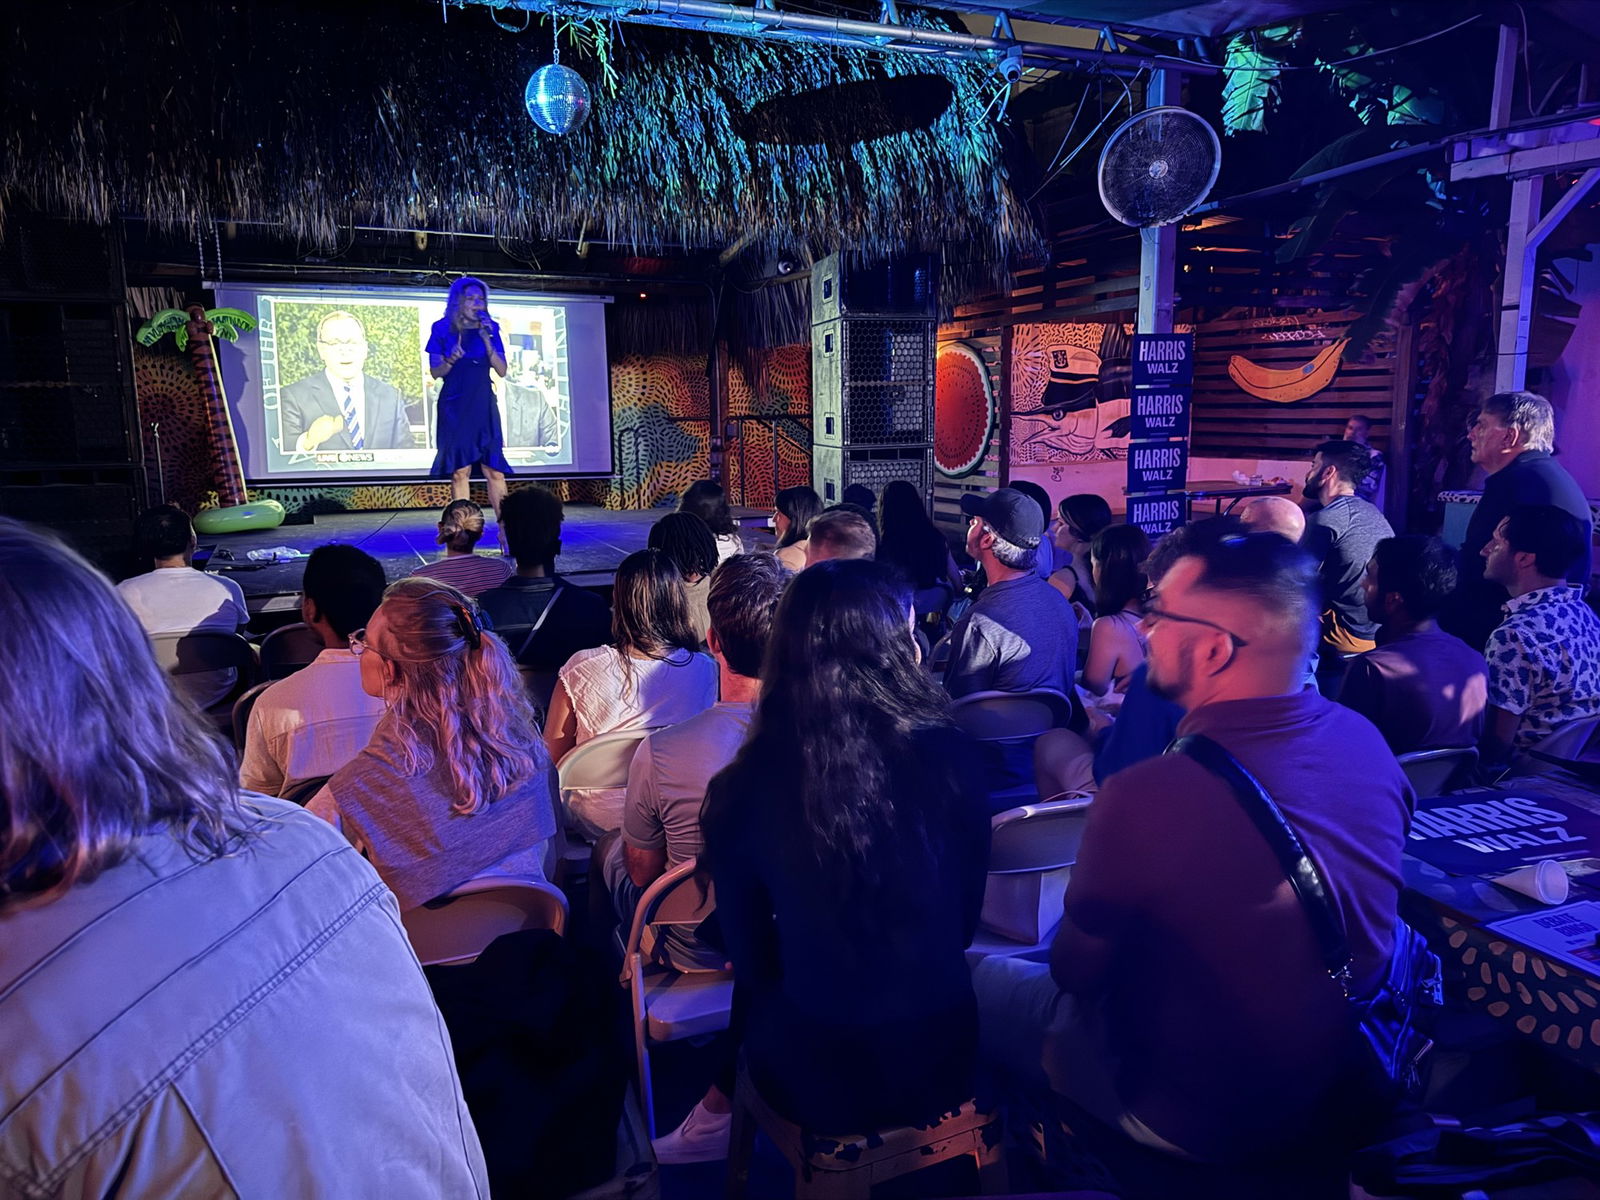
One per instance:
(673,899)
(1038,837)
(458,927)
(1008,716)
(1575,746)
(285,650)
(541,687)
(601,762)
(1435,772)
(241,712)
(193,658)
(302,792)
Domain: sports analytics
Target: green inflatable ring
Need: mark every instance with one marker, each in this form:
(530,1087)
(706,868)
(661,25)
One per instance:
(241,518)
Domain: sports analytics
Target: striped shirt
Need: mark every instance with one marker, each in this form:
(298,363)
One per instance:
(472,573)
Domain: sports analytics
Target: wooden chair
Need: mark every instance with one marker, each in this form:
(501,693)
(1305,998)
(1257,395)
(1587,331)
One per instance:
(1435,772)
(456,928)
(288,648)
(670,1004)
(848,1167)
(1031,852)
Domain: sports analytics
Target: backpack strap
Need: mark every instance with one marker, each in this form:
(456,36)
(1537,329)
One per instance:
(555,594)
(1297,866)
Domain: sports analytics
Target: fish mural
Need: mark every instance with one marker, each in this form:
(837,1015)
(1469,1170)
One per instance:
(1071,391)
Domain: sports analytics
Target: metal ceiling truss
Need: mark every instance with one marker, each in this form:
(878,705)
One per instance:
(1001,49)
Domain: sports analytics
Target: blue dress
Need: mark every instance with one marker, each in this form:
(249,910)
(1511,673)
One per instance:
(468,423)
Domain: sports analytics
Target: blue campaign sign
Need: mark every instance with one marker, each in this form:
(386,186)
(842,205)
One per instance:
(1157,466)
(1156,515)
(1159,413)
(1163,360)
(1485,833)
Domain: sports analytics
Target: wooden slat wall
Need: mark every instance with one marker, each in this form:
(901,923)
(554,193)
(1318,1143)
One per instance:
(1228,422)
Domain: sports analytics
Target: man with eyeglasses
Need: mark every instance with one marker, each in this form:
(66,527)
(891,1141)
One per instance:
(342,407)
(1186,1002)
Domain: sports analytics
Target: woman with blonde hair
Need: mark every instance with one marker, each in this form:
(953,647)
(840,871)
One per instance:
(455,782)
(164,933)
(460,527)
(651,675)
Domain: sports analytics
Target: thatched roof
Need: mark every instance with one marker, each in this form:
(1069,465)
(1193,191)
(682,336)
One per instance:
(320,117)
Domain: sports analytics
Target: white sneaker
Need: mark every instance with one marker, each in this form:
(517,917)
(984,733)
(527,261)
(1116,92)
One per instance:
(703,1137)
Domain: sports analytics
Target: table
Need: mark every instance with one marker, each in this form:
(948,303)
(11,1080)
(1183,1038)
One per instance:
(1227,489)
(1553,1003)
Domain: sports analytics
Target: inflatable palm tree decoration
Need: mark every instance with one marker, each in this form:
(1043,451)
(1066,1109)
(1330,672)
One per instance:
(194,330)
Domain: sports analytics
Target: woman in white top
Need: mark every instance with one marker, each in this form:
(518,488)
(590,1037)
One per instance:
(792,514)
(1116,647)
(706,500)
(652,675)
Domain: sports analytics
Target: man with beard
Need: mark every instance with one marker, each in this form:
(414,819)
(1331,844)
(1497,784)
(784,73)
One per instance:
(1341,535)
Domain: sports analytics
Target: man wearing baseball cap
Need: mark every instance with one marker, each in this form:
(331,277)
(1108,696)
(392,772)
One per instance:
(1021,633)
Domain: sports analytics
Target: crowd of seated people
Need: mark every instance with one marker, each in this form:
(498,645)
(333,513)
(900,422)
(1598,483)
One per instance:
(800,745)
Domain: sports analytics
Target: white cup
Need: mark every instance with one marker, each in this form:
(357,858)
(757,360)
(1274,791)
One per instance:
(1543,881)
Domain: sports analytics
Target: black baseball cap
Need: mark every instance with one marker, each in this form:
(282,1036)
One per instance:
(1015,517)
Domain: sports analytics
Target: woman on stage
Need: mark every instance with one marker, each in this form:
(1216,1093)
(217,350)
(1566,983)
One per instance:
(462,349)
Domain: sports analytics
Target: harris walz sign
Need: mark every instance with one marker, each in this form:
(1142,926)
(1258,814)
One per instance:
(1488,833)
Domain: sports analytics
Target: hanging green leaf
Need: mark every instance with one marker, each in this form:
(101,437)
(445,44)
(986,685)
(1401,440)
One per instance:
(1252,68)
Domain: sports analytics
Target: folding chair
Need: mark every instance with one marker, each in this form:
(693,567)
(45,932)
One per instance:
(285,650)
(670,1004)
(241,711)
(1435,772)
(600,763)
(456,928)
(1031,853)
(195,661)
(1012,722)
(1574,747)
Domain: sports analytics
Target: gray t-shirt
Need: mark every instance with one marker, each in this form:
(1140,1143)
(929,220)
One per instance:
(1341,536)
(668,778)
(1018,636)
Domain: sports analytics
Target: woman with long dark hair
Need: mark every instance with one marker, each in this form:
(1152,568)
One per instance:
(1116,647)
(706,500)
(455,782)
(854,820)
(911,541)
(792,513)
(463,347)
(685,539)
(651,675)
(1081,517)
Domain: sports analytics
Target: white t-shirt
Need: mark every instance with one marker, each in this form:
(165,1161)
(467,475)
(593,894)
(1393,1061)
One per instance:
(310,724)
(728,544)
(182,600)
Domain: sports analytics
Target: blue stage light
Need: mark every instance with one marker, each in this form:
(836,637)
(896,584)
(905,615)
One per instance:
(557,98)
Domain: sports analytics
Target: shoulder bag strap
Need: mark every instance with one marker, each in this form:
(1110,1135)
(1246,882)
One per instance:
(1297,866)
(555,594)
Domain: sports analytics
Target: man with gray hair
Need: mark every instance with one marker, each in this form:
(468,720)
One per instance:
(1021,633)
(1513,438)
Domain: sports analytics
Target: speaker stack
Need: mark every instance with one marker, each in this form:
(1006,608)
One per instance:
(874,334)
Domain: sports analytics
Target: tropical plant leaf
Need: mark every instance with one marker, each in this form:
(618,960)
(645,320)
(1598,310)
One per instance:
(1251,69)
(229,323)
(168,320)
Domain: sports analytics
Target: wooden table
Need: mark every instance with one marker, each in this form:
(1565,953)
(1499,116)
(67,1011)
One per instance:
(1228,490)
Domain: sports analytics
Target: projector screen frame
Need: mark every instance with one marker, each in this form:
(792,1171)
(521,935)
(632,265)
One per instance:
(239,360)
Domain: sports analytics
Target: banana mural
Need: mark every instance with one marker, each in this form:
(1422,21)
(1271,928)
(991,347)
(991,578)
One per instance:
(1282,386)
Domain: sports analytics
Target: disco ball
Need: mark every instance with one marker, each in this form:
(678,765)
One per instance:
(557,98)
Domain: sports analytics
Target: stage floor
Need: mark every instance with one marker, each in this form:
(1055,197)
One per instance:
(593,541)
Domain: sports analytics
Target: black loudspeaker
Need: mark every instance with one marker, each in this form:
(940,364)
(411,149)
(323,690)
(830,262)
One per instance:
(874,335)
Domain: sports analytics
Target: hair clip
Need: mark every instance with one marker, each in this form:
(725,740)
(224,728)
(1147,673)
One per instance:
(468,622)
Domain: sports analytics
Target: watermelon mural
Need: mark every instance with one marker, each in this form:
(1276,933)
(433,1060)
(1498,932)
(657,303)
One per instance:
(964,410)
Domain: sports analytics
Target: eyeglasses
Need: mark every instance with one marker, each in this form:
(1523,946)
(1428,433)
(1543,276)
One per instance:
(358,642)
(1154,616)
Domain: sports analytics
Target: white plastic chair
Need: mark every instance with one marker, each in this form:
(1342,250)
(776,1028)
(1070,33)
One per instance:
(458,927)
(670,1004)
(1031,852)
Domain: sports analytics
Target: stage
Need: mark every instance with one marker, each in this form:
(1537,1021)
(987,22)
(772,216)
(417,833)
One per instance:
(593,541)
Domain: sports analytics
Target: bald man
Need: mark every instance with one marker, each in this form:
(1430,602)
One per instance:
(1274,514)
(1194,1012)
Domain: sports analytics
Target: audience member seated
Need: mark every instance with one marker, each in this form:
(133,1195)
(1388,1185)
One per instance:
(912,543)
(318,719)
(1045,566)
(1341,535)
(1513,439)
(187,972)
(460,527)
(1274,514)
(651,675)
(1116,647)
(1544,659)
(840,533)
(670,770)
(859,496)
(706,500)
(792,514)
(175,598)
(455,782)
(1081,517)
(1188,1005)
(848,843)
(543,619)
(686,540)
(1020,634)
(1423,688)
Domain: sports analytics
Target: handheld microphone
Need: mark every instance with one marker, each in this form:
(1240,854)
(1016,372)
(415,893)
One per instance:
(486,322)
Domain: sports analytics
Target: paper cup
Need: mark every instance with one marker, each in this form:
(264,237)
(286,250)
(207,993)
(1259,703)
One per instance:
(1543,881)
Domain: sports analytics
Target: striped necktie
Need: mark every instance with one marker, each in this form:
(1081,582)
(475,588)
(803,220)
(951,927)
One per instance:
(352,419)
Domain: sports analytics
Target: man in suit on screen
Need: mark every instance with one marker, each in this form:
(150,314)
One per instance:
(341,407)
